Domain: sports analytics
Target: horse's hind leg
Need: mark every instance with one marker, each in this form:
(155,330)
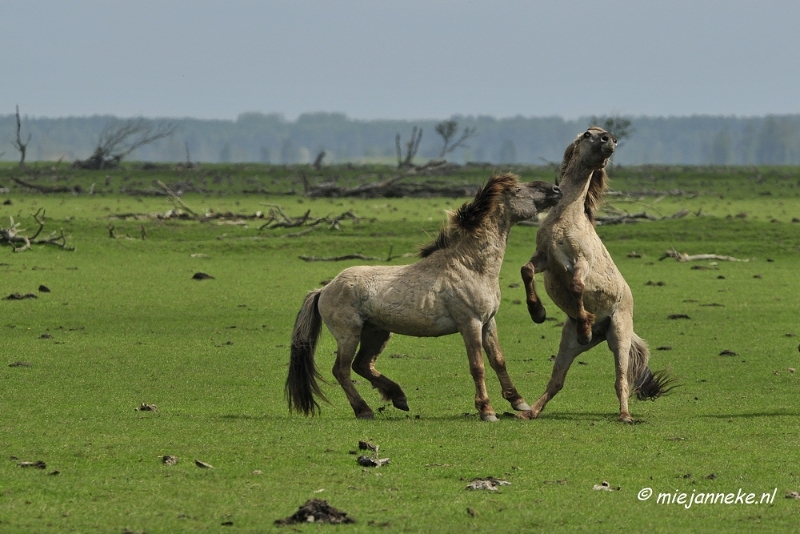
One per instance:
(347,342)
(568,350)
(619,341)
(492,347)
(373,341)
(535,307)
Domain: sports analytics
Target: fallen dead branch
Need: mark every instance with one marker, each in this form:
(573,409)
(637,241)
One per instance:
(48,188)
(13,235)
(682,256)
(627,218)
(394,187)
(356,256)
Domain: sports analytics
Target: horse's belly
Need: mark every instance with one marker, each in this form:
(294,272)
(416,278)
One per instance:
(414,323)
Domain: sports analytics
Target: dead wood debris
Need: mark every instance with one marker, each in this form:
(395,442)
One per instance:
(683,257)
(19,296)
(13,235)
(373,460)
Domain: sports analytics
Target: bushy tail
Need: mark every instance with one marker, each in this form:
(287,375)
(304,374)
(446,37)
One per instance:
(646,384)
(301,384)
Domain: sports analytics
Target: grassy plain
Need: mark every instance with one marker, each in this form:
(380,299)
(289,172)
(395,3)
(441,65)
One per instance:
(125,323)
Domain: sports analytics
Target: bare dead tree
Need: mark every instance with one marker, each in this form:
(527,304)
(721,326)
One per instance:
(447,129)
(411,148)
(318,160)
(18,144)
(119,139)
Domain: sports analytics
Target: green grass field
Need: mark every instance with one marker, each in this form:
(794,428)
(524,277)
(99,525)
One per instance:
(125,324)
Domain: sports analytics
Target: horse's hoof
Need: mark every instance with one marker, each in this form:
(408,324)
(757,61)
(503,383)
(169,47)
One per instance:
(626,418)
(537,313)
(490,417)
(400,404)
(527,416)
(367,416)
(521,406)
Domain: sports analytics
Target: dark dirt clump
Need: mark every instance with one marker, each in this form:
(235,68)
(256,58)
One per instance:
(316,511)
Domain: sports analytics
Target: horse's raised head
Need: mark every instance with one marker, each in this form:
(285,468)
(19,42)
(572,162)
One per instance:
(590,151)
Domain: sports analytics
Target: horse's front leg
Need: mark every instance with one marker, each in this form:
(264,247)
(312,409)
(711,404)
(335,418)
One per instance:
(472,334)
(537,264)
(584,319)
(491,344)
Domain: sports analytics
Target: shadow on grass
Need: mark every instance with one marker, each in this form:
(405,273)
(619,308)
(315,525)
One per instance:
(753,415)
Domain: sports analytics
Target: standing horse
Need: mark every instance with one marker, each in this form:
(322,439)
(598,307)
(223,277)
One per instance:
(453,288)
(584,282)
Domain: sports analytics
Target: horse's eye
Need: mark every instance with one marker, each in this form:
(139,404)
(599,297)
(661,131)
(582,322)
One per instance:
(586,135)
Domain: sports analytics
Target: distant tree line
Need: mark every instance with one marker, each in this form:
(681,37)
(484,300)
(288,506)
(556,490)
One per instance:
(270,138)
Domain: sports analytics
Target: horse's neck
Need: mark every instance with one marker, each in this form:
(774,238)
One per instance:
(574,188)
(484,253)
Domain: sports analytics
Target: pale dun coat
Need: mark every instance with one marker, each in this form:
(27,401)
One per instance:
(582,280)
(453,288)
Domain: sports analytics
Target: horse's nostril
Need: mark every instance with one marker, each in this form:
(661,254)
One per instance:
(605,139)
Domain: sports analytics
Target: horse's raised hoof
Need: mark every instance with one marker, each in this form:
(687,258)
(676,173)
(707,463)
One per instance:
(537,312)
(521,406)
(400,404)
(490,417)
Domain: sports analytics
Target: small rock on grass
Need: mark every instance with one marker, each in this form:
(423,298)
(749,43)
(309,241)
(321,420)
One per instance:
(489,483)
(605,486)
(202,276)
(203,465)
(168,459)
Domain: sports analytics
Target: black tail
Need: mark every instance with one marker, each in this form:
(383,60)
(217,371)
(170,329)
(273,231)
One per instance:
(651,386)
(301,384)
(646,384)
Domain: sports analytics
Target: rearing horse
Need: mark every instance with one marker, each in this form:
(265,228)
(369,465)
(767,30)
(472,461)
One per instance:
(582,280)
(453,288)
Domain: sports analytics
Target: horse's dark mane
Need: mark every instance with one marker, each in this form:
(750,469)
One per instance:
(471,215)
(598,184)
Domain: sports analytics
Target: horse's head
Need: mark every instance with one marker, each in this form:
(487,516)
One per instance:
(592,149)
(527,199)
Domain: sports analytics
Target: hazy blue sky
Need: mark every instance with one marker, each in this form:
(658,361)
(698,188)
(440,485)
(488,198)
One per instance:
(408,59)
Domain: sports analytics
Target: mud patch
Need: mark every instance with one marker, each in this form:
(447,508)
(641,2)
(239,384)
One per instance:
(316,511)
